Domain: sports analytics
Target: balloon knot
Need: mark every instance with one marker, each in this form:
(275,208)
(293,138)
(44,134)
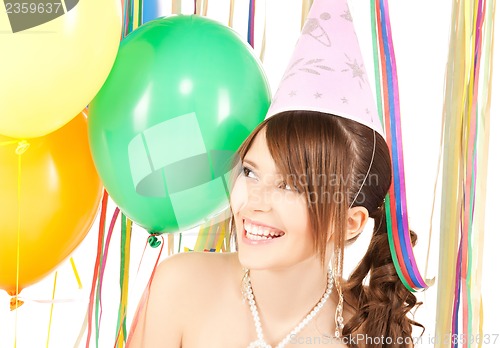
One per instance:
(153,241)
(15,303)
(22,146)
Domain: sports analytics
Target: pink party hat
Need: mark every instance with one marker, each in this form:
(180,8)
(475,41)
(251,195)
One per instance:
(326,72)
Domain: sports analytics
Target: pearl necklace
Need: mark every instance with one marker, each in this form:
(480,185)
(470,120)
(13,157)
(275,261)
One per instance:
(260,342)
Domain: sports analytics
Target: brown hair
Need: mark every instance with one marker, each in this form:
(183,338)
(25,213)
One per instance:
(327,158)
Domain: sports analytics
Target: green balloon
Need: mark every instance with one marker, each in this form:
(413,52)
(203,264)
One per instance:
(183,94)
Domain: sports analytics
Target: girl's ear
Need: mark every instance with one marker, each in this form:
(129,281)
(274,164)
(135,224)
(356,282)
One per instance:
(356,221)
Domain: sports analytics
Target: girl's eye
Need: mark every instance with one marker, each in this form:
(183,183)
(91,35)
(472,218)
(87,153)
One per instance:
(284,186)
(249,173)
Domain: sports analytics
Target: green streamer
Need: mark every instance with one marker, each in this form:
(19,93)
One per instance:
(391,244)
(376,64)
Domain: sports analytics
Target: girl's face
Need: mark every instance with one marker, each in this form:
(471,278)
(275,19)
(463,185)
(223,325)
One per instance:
(271,218)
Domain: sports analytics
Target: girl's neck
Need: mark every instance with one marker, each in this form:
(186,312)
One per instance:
(284,295)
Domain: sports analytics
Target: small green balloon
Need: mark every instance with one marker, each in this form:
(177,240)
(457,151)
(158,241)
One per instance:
(183,94)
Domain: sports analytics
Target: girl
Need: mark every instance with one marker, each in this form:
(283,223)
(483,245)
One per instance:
(308,184)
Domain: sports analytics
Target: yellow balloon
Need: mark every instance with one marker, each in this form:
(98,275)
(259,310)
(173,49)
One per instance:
(54,58)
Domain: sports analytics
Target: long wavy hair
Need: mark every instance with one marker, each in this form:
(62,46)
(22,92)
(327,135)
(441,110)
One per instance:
(327,158)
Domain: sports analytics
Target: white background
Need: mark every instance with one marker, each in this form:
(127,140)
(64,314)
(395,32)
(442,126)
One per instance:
(420,32)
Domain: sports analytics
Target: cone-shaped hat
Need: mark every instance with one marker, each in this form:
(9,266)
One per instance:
(326,72)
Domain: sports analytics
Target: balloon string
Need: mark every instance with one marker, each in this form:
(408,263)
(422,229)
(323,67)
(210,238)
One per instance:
(98,307)
(75,272)
(51,309)
(22,146)
(145,295)
(102,222)
(18,237)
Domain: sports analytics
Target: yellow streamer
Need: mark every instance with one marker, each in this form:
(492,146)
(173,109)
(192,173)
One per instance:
(82,329)
(75,272)
(51,309)
(205,8)
(170,244)
(458,110)
(451,191)
(124,295)
(135,23)
(198,6)
(306,6)
(263,47)
(481,317)
(231,14)
(176,7)
(222,235)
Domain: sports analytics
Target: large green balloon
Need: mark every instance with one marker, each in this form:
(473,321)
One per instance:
(183,94)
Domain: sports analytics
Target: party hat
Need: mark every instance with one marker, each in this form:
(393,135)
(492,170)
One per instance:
(326,72)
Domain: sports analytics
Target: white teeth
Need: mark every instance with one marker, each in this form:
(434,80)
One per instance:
(254,237)
(257,232)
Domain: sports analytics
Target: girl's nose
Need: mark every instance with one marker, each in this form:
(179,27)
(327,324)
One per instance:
(259,197)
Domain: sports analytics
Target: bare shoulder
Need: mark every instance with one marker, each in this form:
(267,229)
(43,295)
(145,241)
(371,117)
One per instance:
(188,276)
(179,286)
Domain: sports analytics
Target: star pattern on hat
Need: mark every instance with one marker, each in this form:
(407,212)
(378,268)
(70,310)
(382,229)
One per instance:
(313,28)
(312,66)
(318,95)
(356,69)
(347,15)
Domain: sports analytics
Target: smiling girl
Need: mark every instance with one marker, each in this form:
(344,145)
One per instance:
(311,176)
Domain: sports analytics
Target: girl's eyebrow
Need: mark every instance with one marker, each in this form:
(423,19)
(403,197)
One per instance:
(254,165)
(251,163)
